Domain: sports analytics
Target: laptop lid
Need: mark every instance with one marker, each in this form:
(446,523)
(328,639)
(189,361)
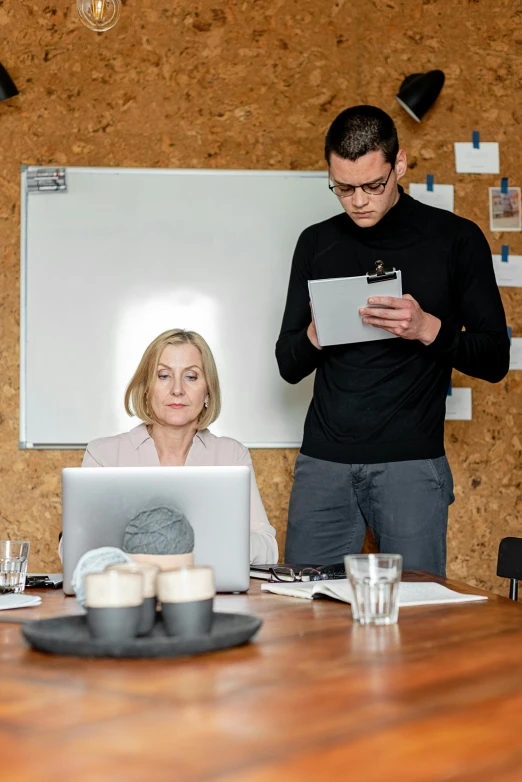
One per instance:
(97,505)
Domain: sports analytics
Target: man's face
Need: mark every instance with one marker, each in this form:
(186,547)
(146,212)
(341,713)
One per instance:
(365,208)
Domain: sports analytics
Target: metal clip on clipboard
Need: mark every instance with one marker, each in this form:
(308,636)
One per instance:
(380,274)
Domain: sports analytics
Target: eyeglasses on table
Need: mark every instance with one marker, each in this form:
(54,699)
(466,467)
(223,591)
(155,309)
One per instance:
(289,574)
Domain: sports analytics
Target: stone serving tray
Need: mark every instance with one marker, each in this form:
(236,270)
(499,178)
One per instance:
(70,635)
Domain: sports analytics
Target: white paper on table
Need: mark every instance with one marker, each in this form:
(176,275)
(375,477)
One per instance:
(515,354)
(442,196)
(422,593)
(484,160)
(13,600)
(508,274)
(458,405)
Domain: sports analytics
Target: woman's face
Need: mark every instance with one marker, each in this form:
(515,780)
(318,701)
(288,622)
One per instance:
(179,390)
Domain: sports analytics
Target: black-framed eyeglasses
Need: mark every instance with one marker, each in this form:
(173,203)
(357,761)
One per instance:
(289,574)
(371,188)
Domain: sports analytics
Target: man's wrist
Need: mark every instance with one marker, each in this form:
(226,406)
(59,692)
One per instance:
(311,333)
(431,330)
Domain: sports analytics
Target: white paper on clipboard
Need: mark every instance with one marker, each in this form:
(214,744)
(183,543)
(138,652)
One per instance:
(336,303)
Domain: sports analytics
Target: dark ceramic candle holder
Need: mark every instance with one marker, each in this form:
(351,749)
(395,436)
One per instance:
(114,624)
(188,619)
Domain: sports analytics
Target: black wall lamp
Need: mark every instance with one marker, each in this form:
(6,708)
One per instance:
(7,85)
(419,92)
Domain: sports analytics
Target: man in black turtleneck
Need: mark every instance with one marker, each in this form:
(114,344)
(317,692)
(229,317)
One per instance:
(373,446)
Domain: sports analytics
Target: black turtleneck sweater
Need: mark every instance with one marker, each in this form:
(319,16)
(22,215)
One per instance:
(384,401)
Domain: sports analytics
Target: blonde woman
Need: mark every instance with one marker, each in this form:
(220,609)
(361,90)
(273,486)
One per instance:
(175,392)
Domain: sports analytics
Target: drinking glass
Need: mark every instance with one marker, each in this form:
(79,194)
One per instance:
(375,581)
(13,565)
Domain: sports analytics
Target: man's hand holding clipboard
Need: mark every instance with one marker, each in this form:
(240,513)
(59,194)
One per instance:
(402,317)
(337,303)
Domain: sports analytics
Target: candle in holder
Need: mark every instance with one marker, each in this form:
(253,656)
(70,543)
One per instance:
(113,601)
(148,607)
(187,599)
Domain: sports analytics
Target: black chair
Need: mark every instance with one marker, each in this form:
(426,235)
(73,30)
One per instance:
(509,563)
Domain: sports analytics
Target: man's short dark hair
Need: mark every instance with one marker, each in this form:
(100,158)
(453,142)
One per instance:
(359,130)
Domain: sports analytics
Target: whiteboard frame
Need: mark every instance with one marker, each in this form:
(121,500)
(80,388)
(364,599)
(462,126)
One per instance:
(23,444)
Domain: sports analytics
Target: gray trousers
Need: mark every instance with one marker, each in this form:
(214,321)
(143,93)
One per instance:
(405,504)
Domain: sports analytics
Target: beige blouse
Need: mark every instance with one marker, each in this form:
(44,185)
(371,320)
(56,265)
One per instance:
(137,449)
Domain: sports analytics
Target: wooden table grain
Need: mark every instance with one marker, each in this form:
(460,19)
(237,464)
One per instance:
(436,697)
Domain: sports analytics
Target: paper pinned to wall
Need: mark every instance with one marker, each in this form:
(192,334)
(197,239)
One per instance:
(458,405)
(508,273)
(504,209)
(482,160)
(442,196)
(515,356)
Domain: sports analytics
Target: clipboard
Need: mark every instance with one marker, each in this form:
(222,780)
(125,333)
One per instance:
(336,303)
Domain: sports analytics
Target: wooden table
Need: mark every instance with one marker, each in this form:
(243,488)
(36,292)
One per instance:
(314,697)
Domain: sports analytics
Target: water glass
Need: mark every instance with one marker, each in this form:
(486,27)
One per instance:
(13,565)
(375,581)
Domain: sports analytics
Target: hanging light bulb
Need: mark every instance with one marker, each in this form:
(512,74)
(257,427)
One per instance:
(99,15)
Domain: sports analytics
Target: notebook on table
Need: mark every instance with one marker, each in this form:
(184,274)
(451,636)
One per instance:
(411,593)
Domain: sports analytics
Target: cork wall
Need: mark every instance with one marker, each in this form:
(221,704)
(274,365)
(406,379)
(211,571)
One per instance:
(233,84)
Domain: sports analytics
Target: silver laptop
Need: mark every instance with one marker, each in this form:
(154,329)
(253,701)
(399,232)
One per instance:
(97,505)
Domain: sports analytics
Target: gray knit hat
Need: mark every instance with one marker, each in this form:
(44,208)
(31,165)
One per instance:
(159,531)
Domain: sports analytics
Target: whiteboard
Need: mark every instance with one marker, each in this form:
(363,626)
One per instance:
(125,254)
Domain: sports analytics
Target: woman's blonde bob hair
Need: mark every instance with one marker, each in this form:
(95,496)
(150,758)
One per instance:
(140,387)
